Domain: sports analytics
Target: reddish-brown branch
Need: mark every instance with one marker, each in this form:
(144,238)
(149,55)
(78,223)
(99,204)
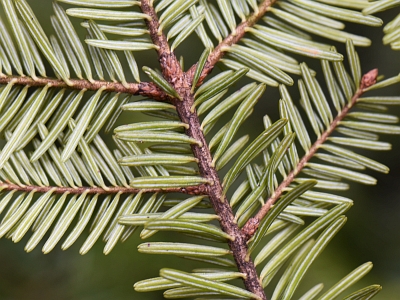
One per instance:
(170,67)
(190,190)
(182,84)
(231,39)
(158,38)
(146,89)
(252,224)
(215,193)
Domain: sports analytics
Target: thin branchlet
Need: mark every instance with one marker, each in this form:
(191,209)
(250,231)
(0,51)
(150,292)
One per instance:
(147,89)
(230,40)
(110,190)
(252,224)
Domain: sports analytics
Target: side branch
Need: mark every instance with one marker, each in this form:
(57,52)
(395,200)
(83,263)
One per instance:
(252,224)
(146,89)
(190,190)
(231,39)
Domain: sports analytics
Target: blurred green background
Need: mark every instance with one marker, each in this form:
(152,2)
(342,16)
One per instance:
(372,232)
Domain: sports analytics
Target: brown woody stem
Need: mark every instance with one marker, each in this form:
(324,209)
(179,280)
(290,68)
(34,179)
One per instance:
(231,39)
(181,82)
(190,190)
(252,224)
(146,89)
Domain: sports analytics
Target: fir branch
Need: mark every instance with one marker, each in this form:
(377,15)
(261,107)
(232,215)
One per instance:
(189,190)
(175,86)
(230,40)
(146,89)
(173,72)
(252,224)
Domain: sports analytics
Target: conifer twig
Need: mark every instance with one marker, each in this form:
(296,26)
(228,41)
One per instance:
(252,224)
(230,40)
(147,89)
(190,190)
